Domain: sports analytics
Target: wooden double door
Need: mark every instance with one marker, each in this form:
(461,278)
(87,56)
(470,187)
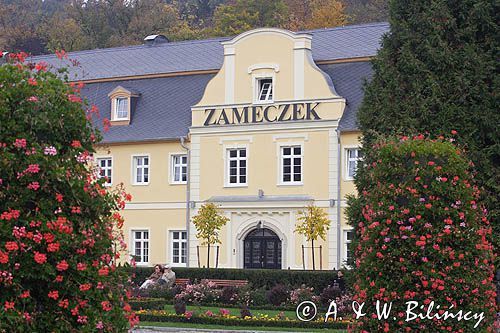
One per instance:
(262,249)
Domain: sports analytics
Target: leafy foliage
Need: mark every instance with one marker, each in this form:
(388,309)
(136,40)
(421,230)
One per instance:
(60,230)
(422,236)
(437,73)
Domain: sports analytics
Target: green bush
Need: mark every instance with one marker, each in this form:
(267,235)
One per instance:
(258,278)
(422,237)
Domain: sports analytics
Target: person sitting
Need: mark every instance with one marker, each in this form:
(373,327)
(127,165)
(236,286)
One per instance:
(168,277)
(153,278)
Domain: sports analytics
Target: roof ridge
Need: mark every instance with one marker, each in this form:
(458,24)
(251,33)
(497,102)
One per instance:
(196,41)
(348,27)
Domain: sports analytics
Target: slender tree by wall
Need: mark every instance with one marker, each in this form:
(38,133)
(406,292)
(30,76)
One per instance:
(313,223)
(209,221)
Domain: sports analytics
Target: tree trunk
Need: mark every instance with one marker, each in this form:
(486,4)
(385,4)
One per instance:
(312,248)
(208,256)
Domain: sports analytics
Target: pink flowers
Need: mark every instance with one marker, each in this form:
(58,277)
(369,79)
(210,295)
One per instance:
(62,266)
(20,143)
(40,258)
(12,214)
(103,271)
(32,99)
(50,151)
(188,314)
(54,294)
(33,186)
(53,247)
(224,312)
(32,81)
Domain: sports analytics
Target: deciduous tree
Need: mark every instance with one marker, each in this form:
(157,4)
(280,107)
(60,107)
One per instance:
(209,221)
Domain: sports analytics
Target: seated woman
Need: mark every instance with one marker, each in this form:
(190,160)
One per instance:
(153,278)
(168,277)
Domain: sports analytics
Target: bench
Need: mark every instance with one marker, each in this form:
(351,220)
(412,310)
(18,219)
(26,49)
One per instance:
(218,283)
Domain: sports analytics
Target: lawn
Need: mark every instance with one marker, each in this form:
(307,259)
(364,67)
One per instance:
(232,311)
(253,328)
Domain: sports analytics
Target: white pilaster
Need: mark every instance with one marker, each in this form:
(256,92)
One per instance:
(333,193)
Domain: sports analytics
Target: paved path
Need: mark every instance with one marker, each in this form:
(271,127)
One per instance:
(148,329)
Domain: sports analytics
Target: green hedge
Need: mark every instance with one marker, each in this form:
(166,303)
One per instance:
(258,278)
(241,322)
(159,304)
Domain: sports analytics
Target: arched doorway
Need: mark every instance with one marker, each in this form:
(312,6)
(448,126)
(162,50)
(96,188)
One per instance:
(262,249)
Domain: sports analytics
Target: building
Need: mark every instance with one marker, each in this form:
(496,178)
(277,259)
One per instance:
(261,124)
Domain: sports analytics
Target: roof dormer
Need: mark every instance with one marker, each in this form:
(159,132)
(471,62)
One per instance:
(121,105)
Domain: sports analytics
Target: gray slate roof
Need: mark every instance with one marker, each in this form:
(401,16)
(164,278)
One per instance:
(163,109)
(327,44)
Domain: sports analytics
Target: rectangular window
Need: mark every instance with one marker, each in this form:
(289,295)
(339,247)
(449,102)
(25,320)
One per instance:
(178,249)
(140,246)
(348,236)
(291,164)
(353,155)
(237,166)
(121,108)
(141,169)
(265,89)
(179,169)
(105,169)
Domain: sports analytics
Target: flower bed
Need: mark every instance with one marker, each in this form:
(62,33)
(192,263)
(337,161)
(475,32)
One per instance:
(227,320)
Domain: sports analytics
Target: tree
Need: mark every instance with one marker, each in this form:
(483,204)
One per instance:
(365,11)
(209,221)
(234,18)
(315,14)
(422,237)
(60,229)
(313,223)
(437,72)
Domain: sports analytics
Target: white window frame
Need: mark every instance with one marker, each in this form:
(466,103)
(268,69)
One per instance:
(172,180)
(256,78)
(348,159)
(98,159)
(227,163)
(281,146)
(180,240)
(134,169)
(225,158)
(345,243)
(142,240)
(127,108)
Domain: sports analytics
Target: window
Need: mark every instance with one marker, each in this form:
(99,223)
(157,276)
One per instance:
(121,108)
(140,246)
(178,249)
(237,166)
(179,169)
(353,156)
(141,169)
(105,169)
(265,90)
(291,165)
(348,235)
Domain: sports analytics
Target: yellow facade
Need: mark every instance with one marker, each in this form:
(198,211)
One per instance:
(298,126)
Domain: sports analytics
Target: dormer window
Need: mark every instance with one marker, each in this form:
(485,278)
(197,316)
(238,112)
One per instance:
(121,108)
(121,105)
(265,86)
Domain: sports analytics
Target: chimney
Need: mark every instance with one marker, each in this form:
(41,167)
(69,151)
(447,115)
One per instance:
(155,39)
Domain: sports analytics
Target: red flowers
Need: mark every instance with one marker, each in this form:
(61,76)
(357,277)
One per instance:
(4,258)
(12,214)
(40,258)
(81,266)
(62,266)
(59,197)
(54,294)
(85,287)
(106,306)
(53,247)
(11,246)
(103,271)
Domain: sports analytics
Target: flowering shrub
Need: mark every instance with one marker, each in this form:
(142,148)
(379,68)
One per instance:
(198,293)
(422,237)
(302,294)
(59,226)
(277,295)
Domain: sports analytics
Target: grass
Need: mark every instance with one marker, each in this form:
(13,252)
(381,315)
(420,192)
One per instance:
(232,311)
(252,328)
